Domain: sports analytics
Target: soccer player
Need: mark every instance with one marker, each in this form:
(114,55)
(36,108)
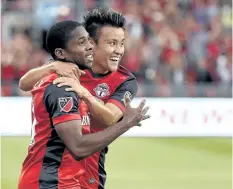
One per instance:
(61,136)
(106,80)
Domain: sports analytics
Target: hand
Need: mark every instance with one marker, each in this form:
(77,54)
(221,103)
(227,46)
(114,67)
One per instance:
(66,69)
(74,86)
(133,116)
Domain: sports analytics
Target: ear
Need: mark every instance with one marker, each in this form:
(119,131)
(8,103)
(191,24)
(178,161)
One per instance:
(60,53)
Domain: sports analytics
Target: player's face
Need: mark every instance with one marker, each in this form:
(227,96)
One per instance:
(110,48)
(79,49)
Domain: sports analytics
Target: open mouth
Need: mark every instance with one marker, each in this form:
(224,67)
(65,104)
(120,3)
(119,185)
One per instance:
(115,59)
(89,57)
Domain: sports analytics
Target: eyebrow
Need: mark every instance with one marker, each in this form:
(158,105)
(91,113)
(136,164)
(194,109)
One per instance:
(83,37)
(114,39)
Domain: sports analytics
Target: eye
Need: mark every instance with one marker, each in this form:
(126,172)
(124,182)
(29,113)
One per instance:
(122,43)
(89,39)
(112,43)
(81,42)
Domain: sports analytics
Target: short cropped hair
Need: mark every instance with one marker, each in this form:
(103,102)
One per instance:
(59,35)
(99,17)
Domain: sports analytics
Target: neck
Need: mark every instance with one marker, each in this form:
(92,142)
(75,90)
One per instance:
(98,69)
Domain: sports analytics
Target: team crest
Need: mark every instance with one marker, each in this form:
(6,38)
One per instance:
(66,104)
(127,95)
(102,90)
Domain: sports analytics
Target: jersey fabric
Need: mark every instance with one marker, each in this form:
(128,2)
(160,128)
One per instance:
(112,87)
(49,164)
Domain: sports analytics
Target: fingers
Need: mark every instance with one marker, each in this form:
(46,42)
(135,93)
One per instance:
(139,124)
(60,80)
(69,89)
(142,119)
(145,117)
(71,74)
(76,74)
(68,80)
(145,110)
(142,104)
(63,73)
(80,72)
(127,101)
(62,84)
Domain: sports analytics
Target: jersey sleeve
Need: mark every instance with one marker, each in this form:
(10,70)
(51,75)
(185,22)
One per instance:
(128,88)
(61,105)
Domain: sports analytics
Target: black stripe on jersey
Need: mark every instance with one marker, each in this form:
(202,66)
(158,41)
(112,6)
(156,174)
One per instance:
(102,172)
(51,162)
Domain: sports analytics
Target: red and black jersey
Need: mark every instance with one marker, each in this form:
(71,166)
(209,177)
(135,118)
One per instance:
(49,164)
(112,87)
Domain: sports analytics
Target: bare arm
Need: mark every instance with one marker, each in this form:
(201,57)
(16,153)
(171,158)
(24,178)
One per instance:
(85,145)
(68,124)
(27,82)
(113,110)
(108,113)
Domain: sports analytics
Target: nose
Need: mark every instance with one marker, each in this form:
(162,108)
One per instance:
(119,50)
(89,46)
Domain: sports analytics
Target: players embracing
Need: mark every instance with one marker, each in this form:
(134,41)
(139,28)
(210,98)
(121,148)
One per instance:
(71,145)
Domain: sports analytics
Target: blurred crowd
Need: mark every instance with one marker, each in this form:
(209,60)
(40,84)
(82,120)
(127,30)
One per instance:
(174,47)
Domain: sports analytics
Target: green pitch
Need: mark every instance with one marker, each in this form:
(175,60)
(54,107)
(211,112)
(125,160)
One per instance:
(146,163)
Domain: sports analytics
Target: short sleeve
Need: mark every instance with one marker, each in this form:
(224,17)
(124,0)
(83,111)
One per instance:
(128,88)
(61,105)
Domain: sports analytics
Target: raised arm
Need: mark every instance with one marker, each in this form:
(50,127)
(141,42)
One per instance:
(27,82)
(68,124)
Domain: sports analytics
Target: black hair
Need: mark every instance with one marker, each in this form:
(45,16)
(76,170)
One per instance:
(59,35)
(99,17)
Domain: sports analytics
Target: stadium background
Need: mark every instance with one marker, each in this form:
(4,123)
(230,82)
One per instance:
(178,48)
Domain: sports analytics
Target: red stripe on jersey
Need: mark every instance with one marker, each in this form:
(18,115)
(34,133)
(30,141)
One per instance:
(35,167)
(117,103)
(64,118)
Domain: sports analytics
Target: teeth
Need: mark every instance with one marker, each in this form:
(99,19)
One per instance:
(114,59)
(89,57)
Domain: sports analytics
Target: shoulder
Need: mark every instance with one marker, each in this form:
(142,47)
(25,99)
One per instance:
(50,77)
(125,71)
(45,81)
(128,81)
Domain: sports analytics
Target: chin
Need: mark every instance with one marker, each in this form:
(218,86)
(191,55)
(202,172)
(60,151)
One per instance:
(113,67)
(88,64)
